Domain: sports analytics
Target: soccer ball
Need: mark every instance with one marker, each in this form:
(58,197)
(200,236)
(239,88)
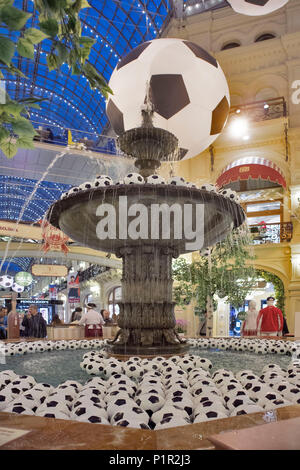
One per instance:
(64,195)
(18,408)
(53,407)
(119,404)
(102,181)
(132,423)
(277,404)
(168,411)
(203,363)
(133,413)
(150,402)
(229,194)
(177,181)
(155,179)
(85,186)
(172,422)
(134,178)
(6,396)
(133,371)
(246,409)
(6,281)
(209,415)
(256,7)
(184,83)
(17,288)
(265,398)
(73,191)
(52,413)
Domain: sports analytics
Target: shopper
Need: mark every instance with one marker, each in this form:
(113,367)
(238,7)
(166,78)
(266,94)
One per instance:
(270,320)
(3,323)
(56,321)
(37,326)
(92,320)
(76,314)
(106,317)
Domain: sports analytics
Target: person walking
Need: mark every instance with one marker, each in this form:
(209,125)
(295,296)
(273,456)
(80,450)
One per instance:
(249,327)
(270,320)
(93,321)
(3,323)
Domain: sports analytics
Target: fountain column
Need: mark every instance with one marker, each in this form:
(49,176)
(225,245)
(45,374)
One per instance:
(147,318)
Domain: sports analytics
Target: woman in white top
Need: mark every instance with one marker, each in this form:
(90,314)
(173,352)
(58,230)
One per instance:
(93,321)
(249,327)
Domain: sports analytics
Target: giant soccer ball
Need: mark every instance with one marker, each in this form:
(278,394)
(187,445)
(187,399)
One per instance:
(186,86)
(256,7)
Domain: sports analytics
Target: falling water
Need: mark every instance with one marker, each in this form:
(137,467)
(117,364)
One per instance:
(24,207)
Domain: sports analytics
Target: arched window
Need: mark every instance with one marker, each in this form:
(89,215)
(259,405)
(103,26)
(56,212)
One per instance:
(230,45)
(114,297)
(265,37)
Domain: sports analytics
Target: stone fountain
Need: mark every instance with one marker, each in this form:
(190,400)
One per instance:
(147,320)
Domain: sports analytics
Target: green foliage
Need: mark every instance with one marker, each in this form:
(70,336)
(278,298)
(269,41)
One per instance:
(278,287)
(59,24)
(223,274)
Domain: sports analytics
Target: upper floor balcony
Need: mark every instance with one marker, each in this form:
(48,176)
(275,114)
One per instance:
(271,233)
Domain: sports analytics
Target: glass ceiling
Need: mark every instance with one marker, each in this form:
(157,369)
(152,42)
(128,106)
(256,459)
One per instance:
(118,26)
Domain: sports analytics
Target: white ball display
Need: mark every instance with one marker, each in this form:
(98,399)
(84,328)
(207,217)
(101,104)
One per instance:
(209,415)
(134,178)
(155,179)
(208,187)
(18,408)
(150,402)
(17,288)
(256,7)
(6,281)
(186,86)
(172,422)
(134,413)
(85,186)
(6,397)
(177,181)
(102,181)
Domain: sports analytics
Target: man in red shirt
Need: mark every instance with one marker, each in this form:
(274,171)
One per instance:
(270,320)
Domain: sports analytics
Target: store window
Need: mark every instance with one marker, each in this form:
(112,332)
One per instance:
(114,297)
(269,212)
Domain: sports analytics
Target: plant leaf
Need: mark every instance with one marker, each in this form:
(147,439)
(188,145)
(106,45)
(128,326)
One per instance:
(25,143)
(8,148)
(4,133)
(52,61)
(14,18)
(35,36)
(23,128)
(49,27)
(25,48)
(7,50)
(13,108)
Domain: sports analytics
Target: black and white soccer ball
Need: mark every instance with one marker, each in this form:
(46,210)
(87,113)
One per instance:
(132,423)
(18,407)
(172,422)
(134,413)
(134,178)
(185,84)
(205,252)
(6,397)
(85,186)
(102,181)
(6,281)
(150,402)
(155,179)
(64,195)
(168,411)
(256,7)
(229,194)
(208,187)
(177,181)
(246,409)
(54,407)
(119,404)
(74,190)
(17,288)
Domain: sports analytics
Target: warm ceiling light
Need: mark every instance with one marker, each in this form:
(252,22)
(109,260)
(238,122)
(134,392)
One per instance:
(239,127)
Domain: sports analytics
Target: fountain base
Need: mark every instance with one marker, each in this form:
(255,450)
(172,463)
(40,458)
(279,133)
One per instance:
(123,352)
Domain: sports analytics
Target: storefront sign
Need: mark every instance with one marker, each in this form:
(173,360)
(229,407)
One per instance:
(49,270)
(20,230)
(54,239)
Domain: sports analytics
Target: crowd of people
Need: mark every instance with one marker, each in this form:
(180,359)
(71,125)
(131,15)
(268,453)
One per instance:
(33,325)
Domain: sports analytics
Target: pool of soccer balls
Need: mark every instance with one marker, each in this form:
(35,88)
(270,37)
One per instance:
(216,379)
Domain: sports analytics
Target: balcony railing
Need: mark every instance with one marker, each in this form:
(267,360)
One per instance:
(261,110)
(271,233)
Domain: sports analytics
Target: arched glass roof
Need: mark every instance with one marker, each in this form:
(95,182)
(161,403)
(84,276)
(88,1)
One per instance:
(118,26)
